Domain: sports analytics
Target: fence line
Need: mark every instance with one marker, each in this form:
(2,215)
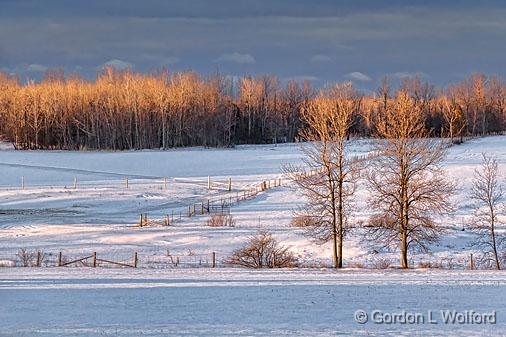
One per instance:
(217,205)
(222,205)
(126,183)
(40,259)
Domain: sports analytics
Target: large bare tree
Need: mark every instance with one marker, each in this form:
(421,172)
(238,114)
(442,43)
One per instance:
(488,195)
(406,181)
(330,183)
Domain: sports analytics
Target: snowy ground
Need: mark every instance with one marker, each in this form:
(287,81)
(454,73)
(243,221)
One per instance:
(101,213)
(237,302)
(99,216)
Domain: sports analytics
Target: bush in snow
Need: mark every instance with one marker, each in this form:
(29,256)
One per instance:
(221,220)
(302,221)
(430,265)
(263,251)
(26,257)
(381,264)
(31,258)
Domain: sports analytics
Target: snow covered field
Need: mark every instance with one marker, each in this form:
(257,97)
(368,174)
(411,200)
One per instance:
(231,302)
(101,214)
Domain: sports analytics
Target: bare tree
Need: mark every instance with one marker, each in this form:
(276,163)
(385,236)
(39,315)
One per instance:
(407,183)
(488,195)
(454,118)
(331,181)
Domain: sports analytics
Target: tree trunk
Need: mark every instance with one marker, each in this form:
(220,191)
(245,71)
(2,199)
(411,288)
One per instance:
(340,210)
(340,225)
(334,215)
(404,227)
(494,246)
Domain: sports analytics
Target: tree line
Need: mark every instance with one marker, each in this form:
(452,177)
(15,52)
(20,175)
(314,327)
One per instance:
(126,110)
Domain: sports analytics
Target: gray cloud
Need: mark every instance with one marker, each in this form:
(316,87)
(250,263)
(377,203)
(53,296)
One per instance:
(237,58)
(404,74)
(117,64)
(322,39)
(301,78)
(358,76)
(36,68)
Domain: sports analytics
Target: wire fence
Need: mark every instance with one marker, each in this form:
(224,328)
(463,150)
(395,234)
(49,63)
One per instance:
(122,184)
(38,258)
(167,260)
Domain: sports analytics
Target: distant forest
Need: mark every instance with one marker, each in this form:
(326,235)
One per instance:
(122,110)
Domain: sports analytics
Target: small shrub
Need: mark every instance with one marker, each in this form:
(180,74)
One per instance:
(430,265)
(356,265)
(381,264)
(26,257)
(302,221)
(263,251)
(221,220)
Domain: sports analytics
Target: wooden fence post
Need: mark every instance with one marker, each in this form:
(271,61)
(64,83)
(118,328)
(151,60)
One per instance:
(22,182)
(167,220)
(471,265)
(94,259)
(75,183)
(135,260)
(38,259)
(229,184)
(140,221)
(189,211)
(145,219)
(164,183)
(214,259)
(59,259)
(208,182)
(126,182)
(202,208)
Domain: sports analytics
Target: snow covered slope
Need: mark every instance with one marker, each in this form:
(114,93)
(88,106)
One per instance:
(99,216)
(237,302)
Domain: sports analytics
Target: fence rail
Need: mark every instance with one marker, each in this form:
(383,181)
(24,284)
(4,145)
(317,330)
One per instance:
(217,205)
(168,260)
(26,258)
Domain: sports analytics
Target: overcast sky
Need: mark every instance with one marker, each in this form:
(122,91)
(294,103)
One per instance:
(321,40)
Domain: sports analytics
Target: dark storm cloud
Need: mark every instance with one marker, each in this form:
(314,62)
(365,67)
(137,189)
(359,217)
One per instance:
(321,40)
